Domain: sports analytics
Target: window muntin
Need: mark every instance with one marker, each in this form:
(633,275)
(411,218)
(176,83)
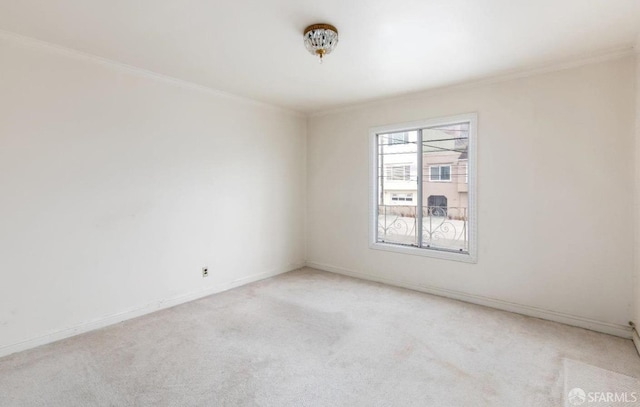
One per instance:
(439,219)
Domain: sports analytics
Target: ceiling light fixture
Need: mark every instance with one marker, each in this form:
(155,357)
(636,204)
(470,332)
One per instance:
(320,39)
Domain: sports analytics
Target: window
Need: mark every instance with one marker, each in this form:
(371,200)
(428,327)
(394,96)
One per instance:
(399,138)
(437,205)
(398,172)
(465,172)
(402,197)
(440,173)
(435,213)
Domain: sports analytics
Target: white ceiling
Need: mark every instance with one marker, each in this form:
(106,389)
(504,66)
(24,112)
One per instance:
(253,48)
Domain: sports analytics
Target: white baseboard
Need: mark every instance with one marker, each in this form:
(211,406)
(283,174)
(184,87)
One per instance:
(137,312)
(636,340)
(573,320)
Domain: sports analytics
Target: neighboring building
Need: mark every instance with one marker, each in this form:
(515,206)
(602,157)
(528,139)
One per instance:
(400,171)
(445,174)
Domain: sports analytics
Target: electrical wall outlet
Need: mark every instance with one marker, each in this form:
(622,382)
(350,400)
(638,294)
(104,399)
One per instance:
(205,272)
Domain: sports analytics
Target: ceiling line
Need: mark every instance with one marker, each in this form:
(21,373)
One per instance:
(608,54)
(576,61)
(74,53)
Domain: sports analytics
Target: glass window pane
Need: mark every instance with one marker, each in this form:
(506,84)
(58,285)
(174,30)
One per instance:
(435,173)
(445,173)
(396,214)
(444,213)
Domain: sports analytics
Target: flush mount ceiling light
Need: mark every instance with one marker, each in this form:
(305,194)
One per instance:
(320,39)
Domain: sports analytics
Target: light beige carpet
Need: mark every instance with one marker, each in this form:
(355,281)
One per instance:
(310,338)
(592,386)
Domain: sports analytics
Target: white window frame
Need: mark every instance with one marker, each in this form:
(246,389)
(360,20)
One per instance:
(472,174)
(439,166)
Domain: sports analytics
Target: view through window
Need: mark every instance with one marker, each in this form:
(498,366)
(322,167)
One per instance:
(423,187)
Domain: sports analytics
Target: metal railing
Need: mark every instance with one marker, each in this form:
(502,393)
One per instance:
(442,227)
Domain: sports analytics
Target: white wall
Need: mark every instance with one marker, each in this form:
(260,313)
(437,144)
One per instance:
(116,187)
(555,194)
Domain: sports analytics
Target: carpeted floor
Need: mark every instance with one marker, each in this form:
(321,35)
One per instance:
(310,338)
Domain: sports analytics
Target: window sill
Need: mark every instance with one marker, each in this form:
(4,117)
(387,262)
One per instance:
(416,251)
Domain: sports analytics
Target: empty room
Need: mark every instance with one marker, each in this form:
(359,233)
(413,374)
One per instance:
(350,203)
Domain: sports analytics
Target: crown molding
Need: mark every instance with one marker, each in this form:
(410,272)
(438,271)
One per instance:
(84,56)
(575,62)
